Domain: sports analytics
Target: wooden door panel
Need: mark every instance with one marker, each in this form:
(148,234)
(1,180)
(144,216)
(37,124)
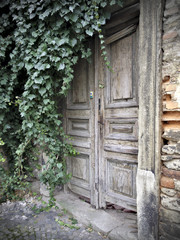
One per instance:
(79,166)
(78,171)
(80,87)
(121,157)
(121,148)
(121,60)
(78,127)
(121,83)
(122,180)
(78,97)
(123,113)
(120,186)
(121,129)
(120,174)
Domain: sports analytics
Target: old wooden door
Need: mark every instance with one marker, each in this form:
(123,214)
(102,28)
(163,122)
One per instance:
(118,123)
(102,118)
(79,124)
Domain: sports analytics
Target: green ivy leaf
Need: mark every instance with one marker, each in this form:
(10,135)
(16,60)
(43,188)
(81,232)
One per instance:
(39,80)
(48,85)
(31,96)
(60,175)
(45,101)
(45,14)
(74,17)
(89,32)
(29,125)
(112,2)
(28,66)
(73,42)
(103,4)
(71,8)
(59,165)
(61,66)
(42,91)
(40,66)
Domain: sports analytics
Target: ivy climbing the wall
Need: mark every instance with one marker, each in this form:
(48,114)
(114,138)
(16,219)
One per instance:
(40,41)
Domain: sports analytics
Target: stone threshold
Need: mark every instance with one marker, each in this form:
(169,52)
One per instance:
(115,224)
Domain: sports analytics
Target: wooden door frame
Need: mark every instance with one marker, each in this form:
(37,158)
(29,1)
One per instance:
(148,175)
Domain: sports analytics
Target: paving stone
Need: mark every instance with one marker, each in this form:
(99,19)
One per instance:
(19,222)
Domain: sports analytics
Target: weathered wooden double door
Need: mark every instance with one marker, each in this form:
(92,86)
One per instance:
(102,119)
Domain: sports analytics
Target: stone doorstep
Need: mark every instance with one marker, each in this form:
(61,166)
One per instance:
(117,228)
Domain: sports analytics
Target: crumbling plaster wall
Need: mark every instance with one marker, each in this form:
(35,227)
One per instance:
(170,178)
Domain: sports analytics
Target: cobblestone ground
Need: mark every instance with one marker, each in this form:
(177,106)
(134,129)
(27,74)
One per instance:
(18,221)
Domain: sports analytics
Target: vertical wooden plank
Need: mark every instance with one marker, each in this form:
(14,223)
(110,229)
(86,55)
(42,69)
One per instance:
(102,163)
(135,65)
(91,74)
(96,126)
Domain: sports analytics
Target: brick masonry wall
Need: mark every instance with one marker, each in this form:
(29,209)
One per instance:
(170,177)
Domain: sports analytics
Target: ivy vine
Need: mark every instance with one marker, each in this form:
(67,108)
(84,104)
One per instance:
(40,42)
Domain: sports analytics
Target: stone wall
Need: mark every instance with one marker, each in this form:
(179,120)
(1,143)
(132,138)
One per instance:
(170,177)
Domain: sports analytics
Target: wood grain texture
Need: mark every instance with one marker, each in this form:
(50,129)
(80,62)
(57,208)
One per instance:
(121,149)
(122,16)
(121,78)
(121,84)
(80,83)
(78,127)
(78,96)
(120,34)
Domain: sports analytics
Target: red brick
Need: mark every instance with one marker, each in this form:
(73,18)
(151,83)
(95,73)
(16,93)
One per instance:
(171,105)
(171,125)
(171,173)
(171,116)
(167,182)
(170,87)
